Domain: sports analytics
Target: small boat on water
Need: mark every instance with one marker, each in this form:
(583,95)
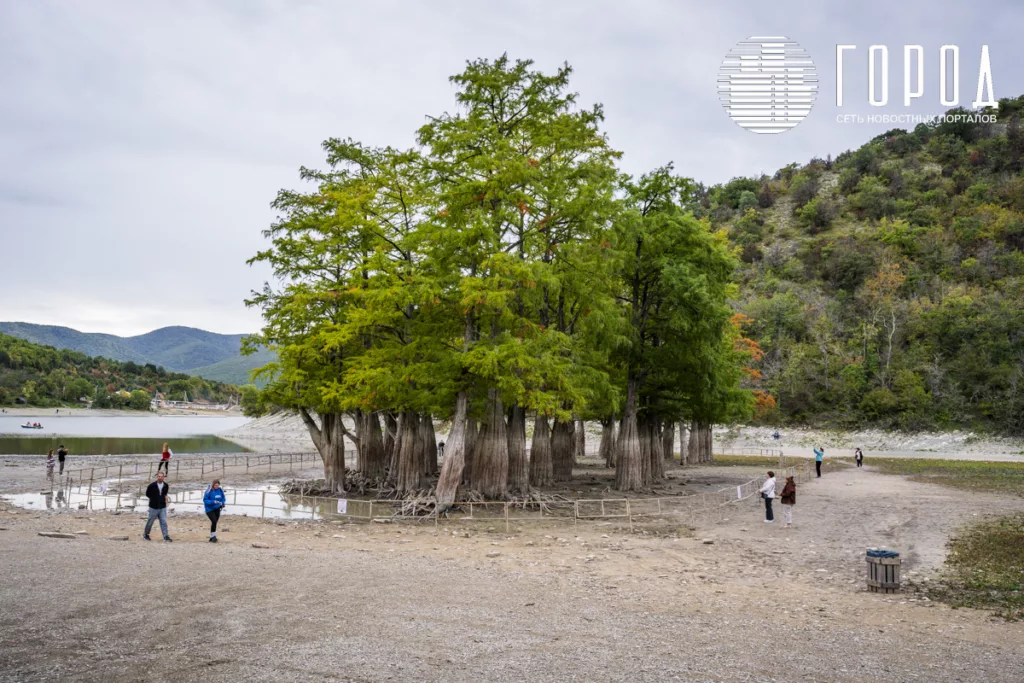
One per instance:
(35,426)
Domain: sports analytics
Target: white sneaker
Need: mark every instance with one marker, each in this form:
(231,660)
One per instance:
(768,521)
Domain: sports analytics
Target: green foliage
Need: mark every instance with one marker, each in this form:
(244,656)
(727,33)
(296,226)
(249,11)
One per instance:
(252,401)
(47,377)
(816,214)
(898,305)
(505,253)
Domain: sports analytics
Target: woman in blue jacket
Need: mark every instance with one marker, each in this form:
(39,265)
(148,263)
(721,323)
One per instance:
(214,501)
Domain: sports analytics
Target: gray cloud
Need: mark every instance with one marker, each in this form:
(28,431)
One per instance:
(141,143)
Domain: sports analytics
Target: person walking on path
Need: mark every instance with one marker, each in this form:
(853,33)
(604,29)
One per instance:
(858,455)
(62,453)
(440,450)
(768,493)
(819,455)
(788,500)
(50,463)
(165,460)
(157,494)
(214,502)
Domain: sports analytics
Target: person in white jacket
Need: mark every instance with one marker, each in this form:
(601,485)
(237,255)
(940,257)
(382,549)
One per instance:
(768,493)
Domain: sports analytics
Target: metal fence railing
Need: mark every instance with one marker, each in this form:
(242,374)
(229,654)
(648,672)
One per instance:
(264,502)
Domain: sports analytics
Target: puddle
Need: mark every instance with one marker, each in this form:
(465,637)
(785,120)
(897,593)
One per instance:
(266,501)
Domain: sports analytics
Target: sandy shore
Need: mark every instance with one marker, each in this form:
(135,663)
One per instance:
(469,602)
(283,432)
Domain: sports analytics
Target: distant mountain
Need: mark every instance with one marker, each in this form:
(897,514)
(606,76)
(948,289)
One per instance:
(178,349)
(235,370)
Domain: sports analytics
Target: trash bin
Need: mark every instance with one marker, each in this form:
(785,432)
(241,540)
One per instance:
(883,571)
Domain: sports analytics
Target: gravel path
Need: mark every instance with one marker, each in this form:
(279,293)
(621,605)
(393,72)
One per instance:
(382,602)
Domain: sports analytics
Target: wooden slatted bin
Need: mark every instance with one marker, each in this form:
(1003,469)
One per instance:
(883,571)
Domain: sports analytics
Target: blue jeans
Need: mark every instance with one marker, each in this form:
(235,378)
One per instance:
(160,514)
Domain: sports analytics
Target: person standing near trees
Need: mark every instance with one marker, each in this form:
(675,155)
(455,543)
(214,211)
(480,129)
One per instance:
(214,502)
(62,453)
(165,460)
(788,500)
(819,455)
(768,493)
(157,494)
(858,455)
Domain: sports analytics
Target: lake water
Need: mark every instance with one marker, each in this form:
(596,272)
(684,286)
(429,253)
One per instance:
(264,501)
(118,435)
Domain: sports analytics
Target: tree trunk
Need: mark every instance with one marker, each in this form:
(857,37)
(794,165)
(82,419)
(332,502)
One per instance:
(668,440)
(390,444)
(643,433)
(410,470)
(490,458)
(657,453)
(683,442)
(518,467)
(709,453)
(579,441)
(421,443)
(472,432)
(454,453)
(562,447)
(542,471)
(329,439)
(430,445)
(693,451)
(371,453)
(606,451)
(628,464)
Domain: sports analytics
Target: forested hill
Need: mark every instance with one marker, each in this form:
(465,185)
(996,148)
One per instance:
(45,376)
(886,286)
(181,349)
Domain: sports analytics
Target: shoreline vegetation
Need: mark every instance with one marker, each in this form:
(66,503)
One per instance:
(33,376)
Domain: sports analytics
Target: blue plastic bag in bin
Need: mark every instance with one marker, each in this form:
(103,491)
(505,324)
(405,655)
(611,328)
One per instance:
(882,553)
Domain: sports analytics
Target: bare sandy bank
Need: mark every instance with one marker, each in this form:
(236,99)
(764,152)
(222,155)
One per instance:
(283,432)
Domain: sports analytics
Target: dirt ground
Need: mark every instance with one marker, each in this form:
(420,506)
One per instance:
(372,602)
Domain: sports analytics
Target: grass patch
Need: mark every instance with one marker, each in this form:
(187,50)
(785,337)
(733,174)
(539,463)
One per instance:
(985,568)
(999,477)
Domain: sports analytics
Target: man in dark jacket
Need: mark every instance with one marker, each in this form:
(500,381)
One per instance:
(157,494)
(62,453)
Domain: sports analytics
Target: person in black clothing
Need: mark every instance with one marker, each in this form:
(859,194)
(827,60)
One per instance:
(440,450)
(61,454)
(157,494)
(858,454)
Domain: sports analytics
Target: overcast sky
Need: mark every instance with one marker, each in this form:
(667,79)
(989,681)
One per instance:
(141,143)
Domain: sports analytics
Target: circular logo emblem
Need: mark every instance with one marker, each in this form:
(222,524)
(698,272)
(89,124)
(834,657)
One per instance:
(767,84)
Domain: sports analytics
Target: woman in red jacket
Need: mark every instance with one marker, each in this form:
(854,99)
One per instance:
(165,460)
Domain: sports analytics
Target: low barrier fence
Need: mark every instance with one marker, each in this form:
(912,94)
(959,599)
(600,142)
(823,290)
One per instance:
(255,502)
(189,466)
